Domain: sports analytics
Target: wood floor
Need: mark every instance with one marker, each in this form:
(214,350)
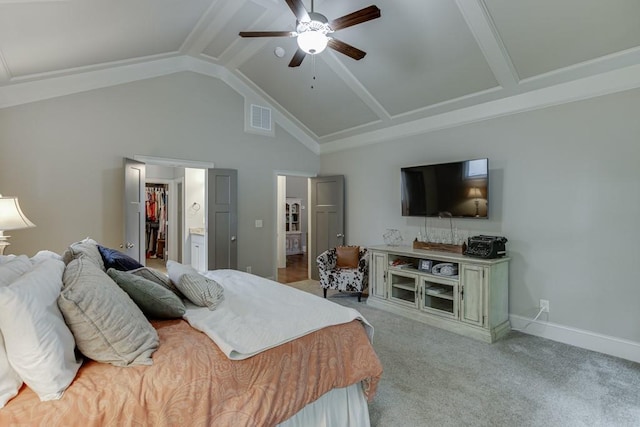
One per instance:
(296,269)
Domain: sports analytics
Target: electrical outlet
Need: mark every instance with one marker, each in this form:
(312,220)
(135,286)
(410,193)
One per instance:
(544,305)
(248,269)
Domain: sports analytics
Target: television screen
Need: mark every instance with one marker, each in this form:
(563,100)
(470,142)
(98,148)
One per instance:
(459,189)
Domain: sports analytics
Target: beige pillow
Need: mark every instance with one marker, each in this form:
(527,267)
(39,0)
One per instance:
(107,325)
(347,256)
(87,247)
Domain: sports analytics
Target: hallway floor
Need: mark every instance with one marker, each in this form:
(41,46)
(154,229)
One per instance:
(296,269)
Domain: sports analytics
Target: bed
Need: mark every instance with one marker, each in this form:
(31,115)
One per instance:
(324,375)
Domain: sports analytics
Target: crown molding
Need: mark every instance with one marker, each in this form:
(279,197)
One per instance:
(75,81)
(53,86)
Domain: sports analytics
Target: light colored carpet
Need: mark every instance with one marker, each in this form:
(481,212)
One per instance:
(437,378)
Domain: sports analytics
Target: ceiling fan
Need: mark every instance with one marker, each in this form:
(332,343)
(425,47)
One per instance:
(313,29)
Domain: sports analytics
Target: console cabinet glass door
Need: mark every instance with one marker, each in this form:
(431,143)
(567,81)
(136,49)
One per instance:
(439,296)
(473,281)
(403,287)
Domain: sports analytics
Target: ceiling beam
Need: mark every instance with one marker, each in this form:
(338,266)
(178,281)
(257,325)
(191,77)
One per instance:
(589,87)
(483,29)
(209,26)
(355,85)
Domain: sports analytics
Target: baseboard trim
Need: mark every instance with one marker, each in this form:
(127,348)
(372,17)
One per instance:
(612,346)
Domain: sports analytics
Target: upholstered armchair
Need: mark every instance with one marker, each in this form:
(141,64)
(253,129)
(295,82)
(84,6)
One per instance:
(349,279)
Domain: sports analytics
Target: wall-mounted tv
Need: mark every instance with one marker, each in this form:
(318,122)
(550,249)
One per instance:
(459,189)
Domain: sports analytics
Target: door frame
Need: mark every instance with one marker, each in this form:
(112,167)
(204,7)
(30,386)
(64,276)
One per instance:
(175,163)
(286,173)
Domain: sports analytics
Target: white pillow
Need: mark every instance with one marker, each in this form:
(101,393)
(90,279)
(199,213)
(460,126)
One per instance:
(14,268)
(10,381)
(175,270)
(5,258)
(39,344)
(43,255)
(11,268)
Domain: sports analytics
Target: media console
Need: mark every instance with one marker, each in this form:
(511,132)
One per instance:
(465,295)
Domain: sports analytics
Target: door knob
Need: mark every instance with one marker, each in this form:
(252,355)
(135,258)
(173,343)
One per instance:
(129,245)
(339,235)
(233,238)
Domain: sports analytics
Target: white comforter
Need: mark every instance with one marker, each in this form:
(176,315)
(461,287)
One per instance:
(258,314)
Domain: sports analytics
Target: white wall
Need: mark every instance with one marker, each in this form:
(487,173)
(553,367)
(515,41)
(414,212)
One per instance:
(565,191)
(63,158)
(194,198)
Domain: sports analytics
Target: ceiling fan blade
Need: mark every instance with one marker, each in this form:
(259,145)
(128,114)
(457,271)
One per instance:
(298,9)
(297,58)
(354,18)
(346,49)
(267,34)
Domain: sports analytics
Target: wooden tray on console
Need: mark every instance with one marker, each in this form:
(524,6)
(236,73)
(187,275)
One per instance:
(442,247)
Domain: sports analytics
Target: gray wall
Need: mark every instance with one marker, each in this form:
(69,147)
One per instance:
(565,191)
(63,158)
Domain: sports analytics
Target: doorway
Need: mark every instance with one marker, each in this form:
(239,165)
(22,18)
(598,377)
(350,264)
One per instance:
(172,204)
(156,224)
(293,228)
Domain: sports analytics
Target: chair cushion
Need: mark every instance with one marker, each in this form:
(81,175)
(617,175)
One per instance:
(347,256)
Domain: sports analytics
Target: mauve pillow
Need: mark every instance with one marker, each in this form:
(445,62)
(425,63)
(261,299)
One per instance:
(347,256)
(118,260)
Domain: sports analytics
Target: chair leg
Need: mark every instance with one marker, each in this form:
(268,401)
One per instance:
(359,296)
(325,292)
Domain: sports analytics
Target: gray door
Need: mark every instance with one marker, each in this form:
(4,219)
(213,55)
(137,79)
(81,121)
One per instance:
(134,210)
(222,219)
(327,216)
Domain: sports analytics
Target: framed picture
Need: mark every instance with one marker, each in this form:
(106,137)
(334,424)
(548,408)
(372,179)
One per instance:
(425,265)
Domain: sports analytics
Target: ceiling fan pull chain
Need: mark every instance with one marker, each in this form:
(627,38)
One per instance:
(313,59)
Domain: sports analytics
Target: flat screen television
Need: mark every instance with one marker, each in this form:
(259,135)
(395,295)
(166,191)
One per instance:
(459,189)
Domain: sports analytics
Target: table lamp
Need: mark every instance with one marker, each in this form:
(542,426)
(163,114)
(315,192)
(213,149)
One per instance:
(475,193)
(11,218)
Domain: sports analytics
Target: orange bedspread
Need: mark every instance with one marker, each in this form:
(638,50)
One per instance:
(192,383)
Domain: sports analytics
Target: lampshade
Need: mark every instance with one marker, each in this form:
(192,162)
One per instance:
(11,216)
(312,41)
(474,193)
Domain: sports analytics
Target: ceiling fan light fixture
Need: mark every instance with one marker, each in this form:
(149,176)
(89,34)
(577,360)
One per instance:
(312,42)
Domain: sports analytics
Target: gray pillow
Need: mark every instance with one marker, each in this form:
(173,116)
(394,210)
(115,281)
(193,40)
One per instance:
(201,291)
(107,325)
(154,300)
(87,247)
(157,277)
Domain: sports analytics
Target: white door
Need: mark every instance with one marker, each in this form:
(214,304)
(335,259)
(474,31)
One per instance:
(134,210)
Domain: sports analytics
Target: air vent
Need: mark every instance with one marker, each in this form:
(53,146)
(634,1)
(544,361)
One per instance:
(260,118)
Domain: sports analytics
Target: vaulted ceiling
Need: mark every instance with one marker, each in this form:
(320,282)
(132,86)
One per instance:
(429,63)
